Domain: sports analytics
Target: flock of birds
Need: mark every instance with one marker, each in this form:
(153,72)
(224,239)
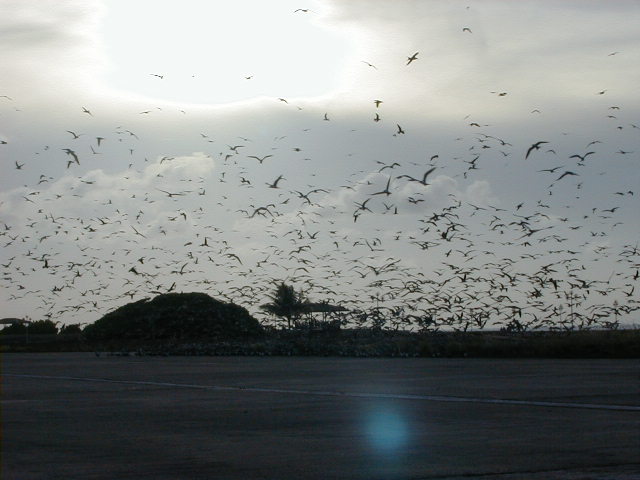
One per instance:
(395,243)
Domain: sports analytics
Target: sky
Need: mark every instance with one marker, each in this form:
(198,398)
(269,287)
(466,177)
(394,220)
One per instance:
(434,163)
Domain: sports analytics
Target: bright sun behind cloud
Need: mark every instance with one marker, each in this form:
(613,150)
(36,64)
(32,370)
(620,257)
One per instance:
(220,52)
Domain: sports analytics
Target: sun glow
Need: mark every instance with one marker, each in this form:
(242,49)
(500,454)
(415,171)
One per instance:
(198,51)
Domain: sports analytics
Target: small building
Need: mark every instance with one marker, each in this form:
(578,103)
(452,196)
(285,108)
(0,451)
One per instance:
(13,321)
(322,315)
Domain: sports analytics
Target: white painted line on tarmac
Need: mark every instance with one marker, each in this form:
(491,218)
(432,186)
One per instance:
(392,396)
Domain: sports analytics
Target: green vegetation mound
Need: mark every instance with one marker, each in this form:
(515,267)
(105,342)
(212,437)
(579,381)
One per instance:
(175,316)
(39,327)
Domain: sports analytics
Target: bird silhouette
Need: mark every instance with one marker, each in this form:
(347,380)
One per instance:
(260,159)
(424,177)
(565,174)
(172,194)
(535,146)
(386,189)
(551,170)
(275,182)
(73,154)
(582,157)
(75,135)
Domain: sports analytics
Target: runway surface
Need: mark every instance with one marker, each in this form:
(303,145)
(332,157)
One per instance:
(75,415)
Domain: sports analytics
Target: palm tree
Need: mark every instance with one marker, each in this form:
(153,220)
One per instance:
(285,302)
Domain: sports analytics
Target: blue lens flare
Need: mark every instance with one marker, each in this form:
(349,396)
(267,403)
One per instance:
(387,430)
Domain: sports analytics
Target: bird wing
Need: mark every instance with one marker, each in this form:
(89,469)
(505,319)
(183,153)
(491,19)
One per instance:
(426,174)
(531,148)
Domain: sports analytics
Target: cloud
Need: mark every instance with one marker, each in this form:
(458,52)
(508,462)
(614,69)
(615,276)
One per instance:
(50,47)
(479,193)
(520,49)
(105,192)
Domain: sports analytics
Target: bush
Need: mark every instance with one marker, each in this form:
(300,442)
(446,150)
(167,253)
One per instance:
(73,329)
(39,327)
(174,316)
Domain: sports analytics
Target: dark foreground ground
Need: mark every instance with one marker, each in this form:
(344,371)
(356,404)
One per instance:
(73,415)
(623,343)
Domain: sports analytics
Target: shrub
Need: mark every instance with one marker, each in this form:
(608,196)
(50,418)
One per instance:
(39,327)
(174,316)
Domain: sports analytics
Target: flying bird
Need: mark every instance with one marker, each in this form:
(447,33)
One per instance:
(234,256)
(386,189)
(550,170)
(170,194)
(275,183)
(394,164)
(235,148)
(361,206)
(424,177)
(75,135)
(565,174)
(582,157)
(535,146)
(137,232)
(260,159)
(70,152)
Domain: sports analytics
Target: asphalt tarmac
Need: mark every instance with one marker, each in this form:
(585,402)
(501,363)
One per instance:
(75,415)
